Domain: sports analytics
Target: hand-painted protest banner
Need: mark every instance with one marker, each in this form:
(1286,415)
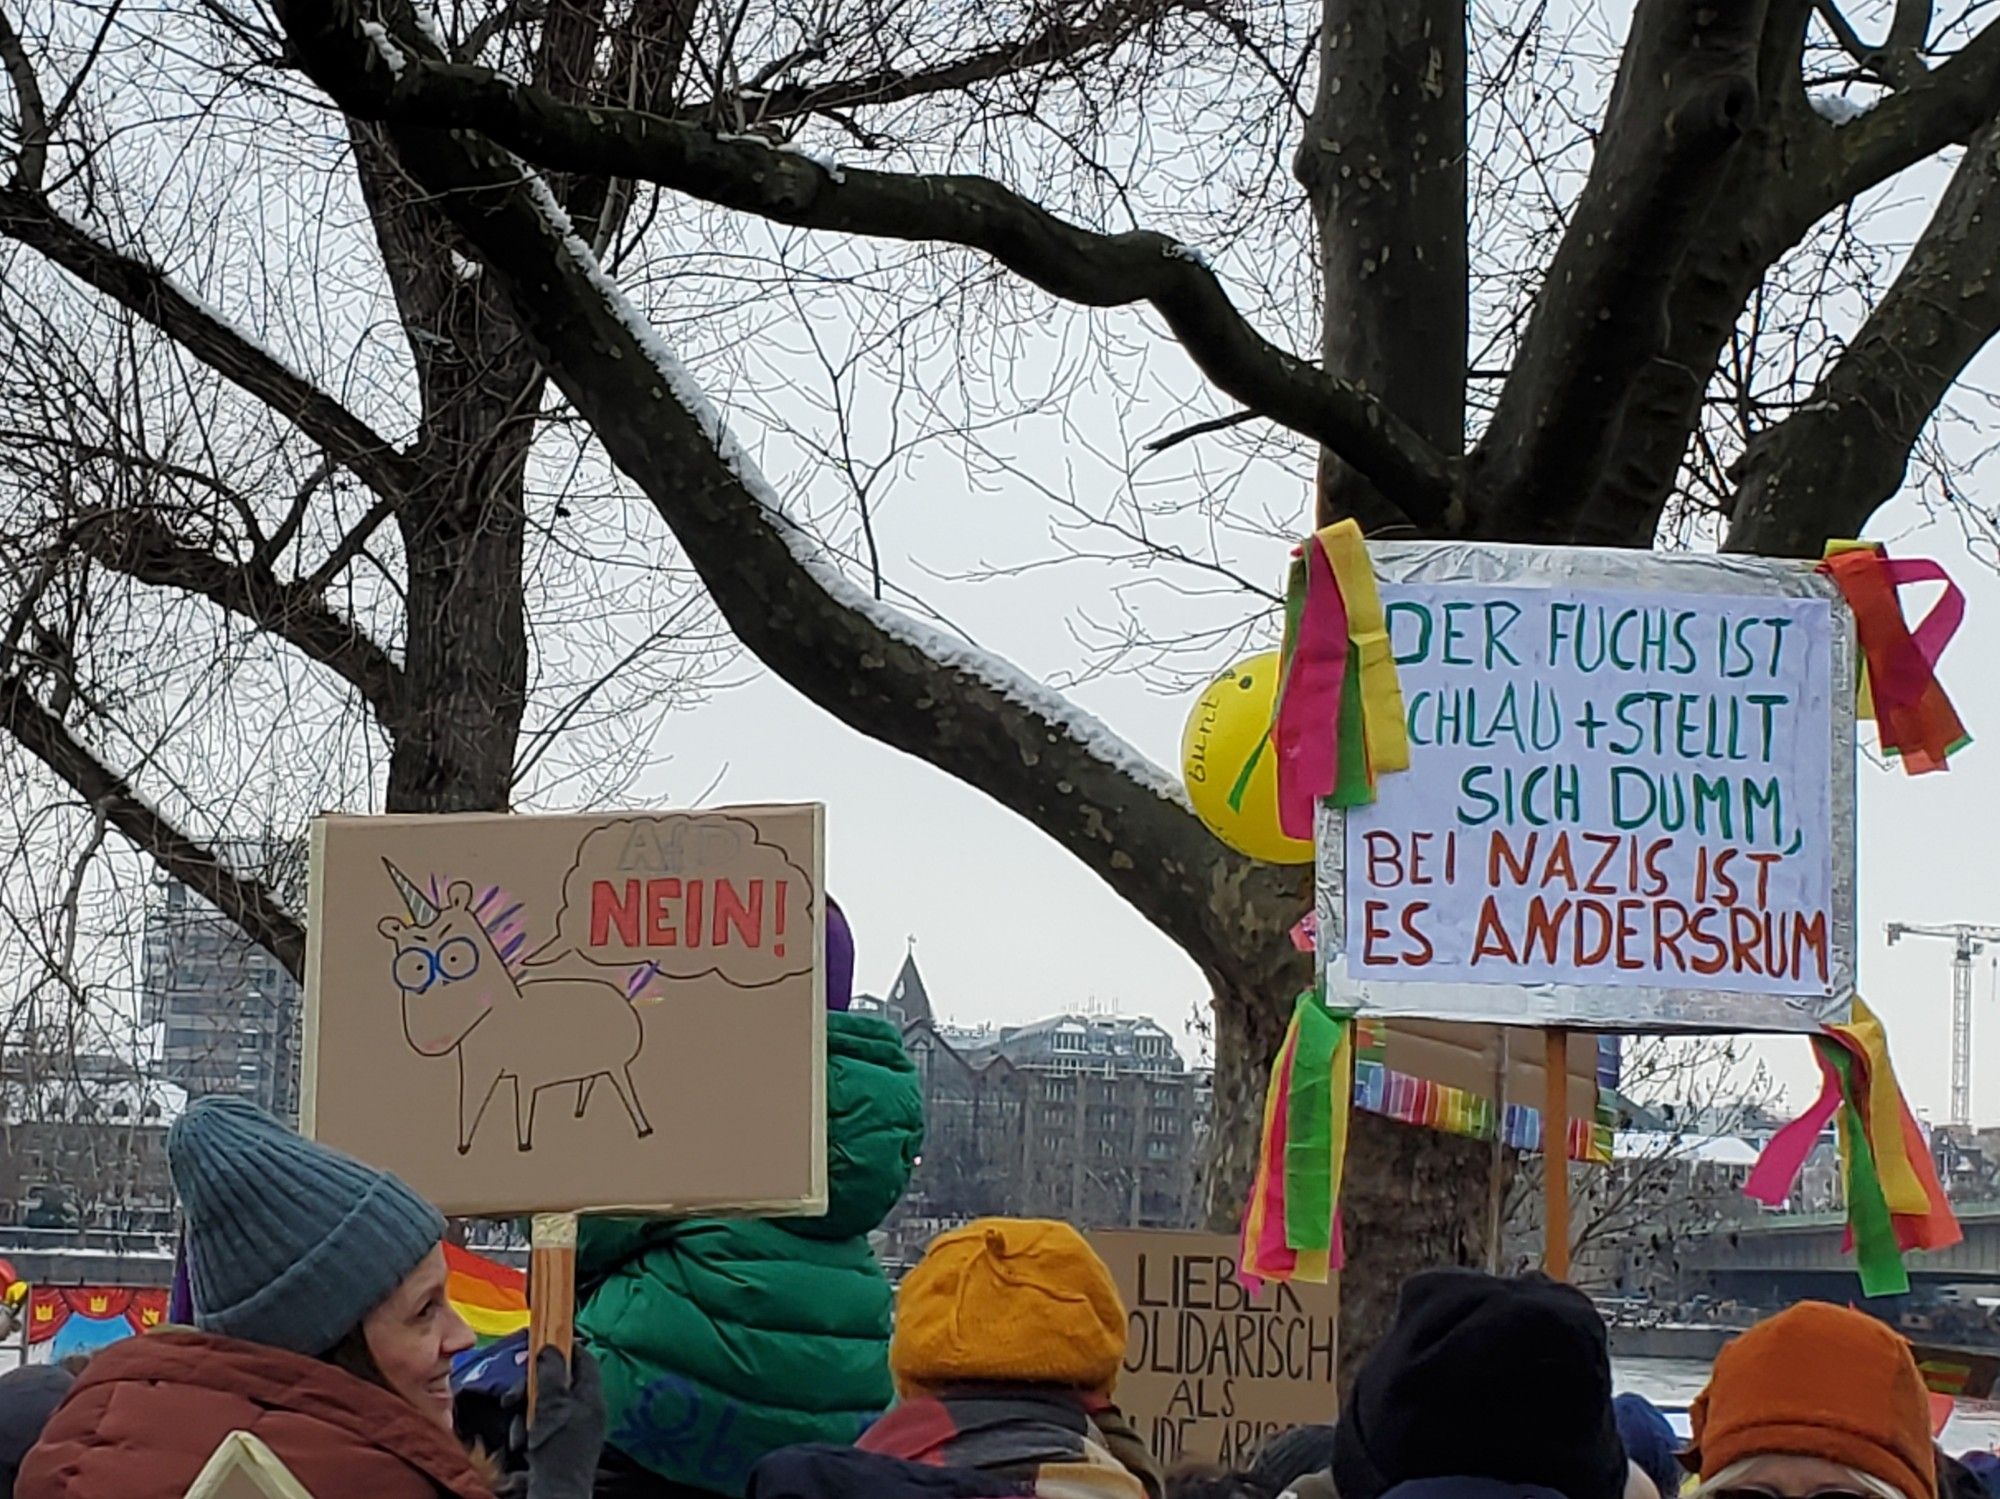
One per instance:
(1626,804)
(1212,1372)
(562,1014)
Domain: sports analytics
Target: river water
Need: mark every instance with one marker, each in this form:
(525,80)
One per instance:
(1672,1384)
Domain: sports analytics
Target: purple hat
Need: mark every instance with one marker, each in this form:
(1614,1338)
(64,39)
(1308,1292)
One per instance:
(839,959)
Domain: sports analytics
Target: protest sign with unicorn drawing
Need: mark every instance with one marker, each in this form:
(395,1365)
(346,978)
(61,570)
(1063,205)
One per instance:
(561,1014)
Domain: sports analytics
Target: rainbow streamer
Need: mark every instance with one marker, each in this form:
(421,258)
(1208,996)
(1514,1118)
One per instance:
(1291,1225)
(1409,1099)
(1899,690)
(1339,721)
(1895,1202)
(491,1298)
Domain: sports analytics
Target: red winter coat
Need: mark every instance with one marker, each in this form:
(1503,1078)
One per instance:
(149,1412)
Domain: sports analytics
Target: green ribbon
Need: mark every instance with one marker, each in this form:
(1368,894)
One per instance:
(1351,787)
(1309,1129)
(1877,1255)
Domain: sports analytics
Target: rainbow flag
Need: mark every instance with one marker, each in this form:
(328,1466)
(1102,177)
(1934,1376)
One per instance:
(491,1298)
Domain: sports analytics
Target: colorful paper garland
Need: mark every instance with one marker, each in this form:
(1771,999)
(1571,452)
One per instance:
(1291,1226)
(1339,721)
(1895,1202)
(1899,690)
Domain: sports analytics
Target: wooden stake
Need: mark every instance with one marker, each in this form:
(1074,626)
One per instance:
(1555,1155)
(551,1290)
(1496,1172)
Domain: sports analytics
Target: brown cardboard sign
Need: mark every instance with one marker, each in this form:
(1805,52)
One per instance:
(1211,1372)
(1960,1373)
(575,1013)
(244,1468)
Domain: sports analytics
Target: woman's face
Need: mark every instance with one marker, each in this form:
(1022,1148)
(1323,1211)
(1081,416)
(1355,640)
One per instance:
(1780,1476)
(414,1335)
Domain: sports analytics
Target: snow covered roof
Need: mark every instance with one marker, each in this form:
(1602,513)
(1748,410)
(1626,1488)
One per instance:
(1706,1150)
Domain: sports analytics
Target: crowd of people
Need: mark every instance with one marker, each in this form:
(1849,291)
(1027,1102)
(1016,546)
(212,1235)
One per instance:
(773,1360)
(321,1325)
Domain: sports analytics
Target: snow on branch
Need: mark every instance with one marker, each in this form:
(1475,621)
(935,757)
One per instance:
(992,672)
(887,676)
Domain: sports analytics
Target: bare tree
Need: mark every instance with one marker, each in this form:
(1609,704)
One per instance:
(1650,353)
(1632,1215)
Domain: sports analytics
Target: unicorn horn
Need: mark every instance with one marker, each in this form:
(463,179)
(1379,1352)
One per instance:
(422,908)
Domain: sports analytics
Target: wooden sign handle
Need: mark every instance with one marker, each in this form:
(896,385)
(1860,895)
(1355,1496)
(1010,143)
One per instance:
(1555,1155)
(551,1290)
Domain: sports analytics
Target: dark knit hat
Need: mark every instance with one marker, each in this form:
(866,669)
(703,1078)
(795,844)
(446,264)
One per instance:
(1480,1377)
(289,1243)
(1650,1442)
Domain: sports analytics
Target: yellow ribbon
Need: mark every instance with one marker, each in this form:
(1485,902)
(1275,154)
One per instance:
(1369,653)
(1864,700)
(1900,1185)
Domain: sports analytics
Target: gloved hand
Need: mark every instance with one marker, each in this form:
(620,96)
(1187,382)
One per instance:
(567,1434)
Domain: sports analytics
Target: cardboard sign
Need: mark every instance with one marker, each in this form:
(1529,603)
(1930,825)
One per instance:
(1212,1373)
(1957,1373)
(564,1014)
(1629,804)
(244,1468)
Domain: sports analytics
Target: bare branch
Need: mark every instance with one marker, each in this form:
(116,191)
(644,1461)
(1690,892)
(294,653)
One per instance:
(872,668)
(1062,39)
(148,291)
(1899,61)
(1200,429)
(141,545)
(1825,469)
(1942,108)
(32,163)
(1686,95)
(246,902)
(1077,264)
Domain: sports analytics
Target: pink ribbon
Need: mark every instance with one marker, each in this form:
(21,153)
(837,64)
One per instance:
(1778,1168)
(1946,615)
(1307,731)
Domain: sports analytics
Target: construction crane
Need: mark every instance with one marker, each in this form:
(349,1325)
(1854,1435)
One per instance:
(1968,941)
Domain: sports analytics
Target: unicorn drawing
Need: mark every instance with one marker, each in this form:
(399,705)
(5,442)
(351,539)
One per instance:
(463,996)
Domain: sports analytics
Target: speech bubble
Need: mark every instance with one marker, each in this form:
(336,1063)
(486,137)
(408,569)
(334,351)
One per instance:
(689,895)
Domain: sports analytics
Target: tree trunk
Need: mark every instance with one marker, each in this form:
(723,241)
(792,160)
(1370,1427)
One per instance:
(1412,1199)
(1383,162)
(466,655)
(465,668)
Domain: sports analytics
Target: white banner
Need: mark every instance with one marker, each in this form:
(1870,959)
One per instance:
(1610,789)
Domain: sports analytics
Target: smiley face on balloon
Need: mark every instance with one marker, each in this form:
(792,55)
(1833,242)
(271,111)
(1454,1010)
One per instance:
(1230,718)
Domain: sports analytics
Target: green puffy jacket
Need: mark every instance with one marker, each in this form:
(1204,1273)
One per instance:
(722,1341)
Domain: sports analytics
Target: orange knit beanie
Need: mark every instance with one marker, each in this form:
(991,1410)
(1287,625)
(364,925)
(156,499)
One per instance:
(1819,1381)
(1008,1300)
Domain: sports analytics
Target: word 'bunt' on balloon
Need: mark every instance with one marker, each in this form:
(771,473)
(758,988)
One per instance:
(1230,719)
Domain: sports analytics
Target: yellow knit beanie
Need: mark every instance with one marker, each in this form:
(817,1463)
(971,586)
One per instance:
(1015,1300)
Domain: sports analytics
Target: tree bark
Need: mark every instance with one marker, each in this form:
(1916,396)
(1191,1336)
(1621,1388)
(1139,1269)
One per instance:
(1383,162)
(1412,1199)
(1825,469)
(1686,95)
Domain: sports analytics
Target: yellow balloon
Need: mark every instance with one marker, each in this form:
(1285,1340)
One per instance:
(1231,715)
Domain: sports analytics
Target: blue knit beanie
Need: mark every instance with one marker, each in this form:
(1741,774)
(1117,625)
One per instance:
(1650,1442)
(290,1244)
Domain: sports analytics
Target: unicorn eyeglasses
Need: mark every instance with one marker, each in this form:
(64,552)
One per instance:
(418,968)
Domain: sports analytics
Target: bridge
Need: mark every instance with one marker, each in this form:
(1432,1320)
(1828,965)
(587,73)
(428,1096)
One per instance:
(1785,1255)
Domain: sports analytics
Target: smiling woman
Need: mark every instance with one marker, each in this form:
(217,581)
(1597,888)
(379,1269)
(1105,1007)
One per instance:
(323,1326)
